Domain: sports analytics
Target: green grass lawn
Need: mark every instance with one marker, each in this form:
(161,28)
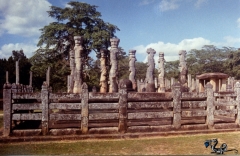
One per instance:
(188,144)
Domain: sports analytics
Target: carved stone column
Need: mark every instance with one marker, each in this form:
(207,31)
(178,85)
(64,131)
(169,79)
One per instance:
(182,67)
(150,71)
(78,50)
(72,68)
(161,72)
(132,60)
(113,74)
(103,78)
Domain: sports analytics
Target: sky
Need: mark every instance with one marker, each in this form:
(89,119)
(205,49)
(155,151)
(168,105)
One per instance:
(165,25)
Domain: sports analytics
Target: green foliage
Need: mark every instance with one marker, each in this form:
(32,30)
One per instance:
(92,74)
(123,64)
(208,59)
(9,65)
(56,40)
(59,69)
(141,69)
(79,19)
(232,64)
(171,69)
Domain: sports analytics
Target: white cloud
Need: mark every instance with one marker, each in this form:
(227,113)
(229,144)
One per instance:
(238,21)
(231,41)
(28,49)
(146,2)
(166,5)
(199,3)
(170,49)
(24,17)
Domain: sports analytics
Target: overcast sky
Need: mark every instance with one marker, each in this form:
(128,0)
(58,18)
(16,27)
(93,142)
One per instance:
(164,25)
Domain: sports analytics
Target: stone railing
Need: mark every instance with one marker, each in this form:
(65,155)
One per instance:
(120,112)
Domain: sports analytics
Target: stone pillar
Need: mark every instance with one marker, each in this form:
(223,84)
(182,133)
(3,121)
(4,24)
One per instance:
(132,60)
(7,81)
(176,105)
(122,125)
(150,71)
(161,61)
(224,85)
(182,67)
(189,81)
(7,109)
(30,79)
(72,68)
(69,83)
(48,77)
(113,73)
(237,87)
(172,81)
(213,81)
(193,85)
(156,84)
(210,106)
(103,77)
(17,72)
(84,110)
(78,51)
(197,85)
(45,105)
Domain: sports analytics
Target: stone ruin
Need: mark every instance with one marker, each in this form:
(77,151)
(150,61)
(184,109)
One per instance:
(109,80)
(209,102)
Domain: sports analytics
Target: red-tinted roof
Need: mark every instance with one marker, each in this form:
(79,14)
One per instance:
(212,75)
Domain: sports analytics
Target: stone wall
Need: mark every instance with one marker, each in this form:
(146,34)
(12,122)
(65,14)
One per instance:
(118,112)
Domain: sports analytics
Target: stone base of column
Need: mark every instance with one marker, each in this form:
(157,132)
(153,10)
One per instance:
(150,87)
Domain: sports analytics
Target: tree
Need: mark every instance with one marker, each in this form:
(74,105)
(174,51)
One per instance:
(208,59)
(79,19)
(171,69)
(123,64)
(56,40)
(9,65)
(232,64)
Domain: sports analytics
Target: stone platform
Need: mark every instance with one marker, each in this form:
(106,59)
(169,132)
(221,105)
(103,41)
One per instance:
(11,139)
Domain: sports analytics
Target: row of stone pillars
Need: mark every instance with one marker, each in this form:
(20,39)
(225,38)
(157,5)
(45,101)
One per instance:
(109,81)
(20,87)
